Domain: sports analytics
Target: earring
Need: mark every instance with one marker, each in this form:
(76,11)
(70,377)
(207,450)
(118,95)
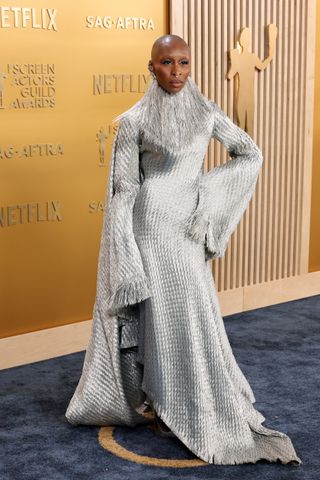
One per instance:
(151,72)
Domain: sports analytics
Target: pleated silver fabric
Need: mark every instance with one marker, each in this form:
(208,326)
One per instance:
(157,327)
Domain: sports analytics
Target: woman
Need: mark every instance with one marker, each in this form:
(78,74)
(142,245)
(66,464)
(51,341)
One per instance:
(158,334)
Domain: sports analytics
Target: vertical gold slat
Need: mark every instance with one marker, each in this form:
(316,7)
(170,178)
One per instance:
(277,151)
(290,247)
(270,159)
(212,70)
(245,228)
(217,82)
(191,35)
(301,74)
(244,245)
(186,21)
(198,43)
(302,138)
(233,245)
(226,270)
(281,202)
(261,191)
(224,262)
(204,35)
(308,109)
(236,26)
(176,20)
(284,26)
(252,255)
(205,63)
(296,133)
(250,214)
(288,145)
(208,60)
(265,252)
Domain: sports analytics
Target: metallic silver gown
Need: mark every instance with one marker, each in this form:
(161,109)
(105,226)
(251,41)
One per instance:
(157,327)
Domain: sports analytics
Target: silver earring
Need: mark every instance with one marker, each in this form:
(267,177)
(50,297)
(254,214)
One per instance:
(151,72)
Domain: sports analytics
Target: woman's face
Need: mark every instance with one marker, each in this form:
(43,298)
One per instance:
(171,65)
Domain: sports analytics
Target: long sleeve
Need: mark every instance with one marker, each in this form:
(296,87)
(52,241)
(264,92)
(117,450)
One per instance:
(109,387)
(122,280)
(225,191)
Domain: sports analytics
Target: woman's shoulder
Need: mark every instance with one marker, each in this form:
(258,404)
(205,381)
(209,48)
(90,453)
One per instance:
(129,116)
(216,109)
(127,126)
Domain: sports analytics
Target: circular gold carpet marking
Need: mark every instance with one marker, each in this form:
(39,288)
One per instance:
(108,442)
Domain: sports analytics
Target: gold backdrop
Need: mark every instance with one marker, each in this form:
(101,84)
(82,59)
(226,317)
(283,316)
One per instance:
(65,71)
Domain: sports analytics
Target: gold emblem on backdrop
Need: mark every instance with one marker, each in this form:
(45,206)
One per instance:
(23,17)
(101,139)
(103,135)
(96,206)
(32,86)
(120,23)
(35,212)
(120,83)
(31,150)
(2,78)
(242,66)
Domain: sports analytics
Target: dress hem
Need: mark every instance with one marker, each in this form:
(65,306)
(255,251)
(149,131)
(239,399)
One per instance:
(210,458)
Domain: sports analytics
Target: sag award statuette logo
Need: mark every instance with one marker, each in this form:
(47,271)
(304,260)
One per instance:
(28,85)
(2,77)
(101,139)
(102,136)
(242,65)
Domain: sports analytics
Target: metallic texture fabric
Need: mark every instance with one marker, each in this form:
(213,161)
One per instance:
(157,327)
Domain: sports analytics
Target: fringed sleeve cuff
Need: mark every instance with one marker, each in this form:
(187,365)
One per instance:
(225,191)
(128,281)
(122,279)
(131,291)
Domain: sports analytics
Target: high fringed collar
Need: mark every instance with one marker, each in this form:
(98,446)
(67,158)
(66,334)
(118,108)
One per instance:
(171,120)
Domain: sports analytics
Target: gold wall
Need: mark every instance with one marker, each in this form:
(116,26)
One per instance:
(65,72)
(314,259)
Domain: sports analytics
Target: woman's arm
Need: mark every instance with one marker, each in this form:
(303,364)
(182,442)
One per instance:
(225,191)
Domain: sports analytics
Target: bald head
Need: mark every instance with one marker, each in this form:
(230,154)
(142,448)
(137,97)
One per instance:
(166,43)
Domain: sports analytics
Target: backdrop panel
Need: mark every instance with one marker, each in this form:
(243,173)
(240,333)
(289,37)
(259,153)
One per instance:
(65,72)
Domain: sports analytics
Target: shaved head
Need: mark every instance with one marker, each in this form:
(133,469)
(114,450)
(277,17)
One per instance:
(166,41)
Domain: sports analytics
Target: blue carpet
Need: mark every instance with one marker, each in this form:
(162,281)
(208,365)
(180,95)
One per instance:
(277,348)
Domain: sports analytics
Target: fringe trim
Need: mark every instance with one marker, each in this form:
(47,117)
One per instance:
(274,450)
(197,226)
(214,248)
(200,229)
(134,291)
